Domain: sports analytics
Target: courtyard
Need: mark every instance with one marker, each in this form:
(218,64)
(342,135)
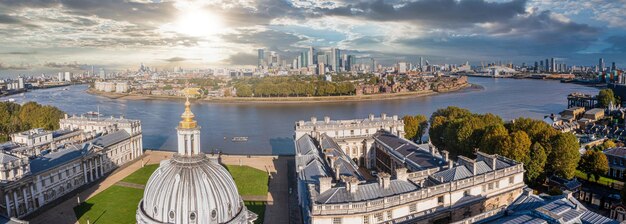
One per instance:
(118,203)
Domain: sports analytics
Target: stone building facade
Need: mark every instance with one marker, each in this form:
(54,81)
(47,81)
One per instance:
(76,155)
(415,183)
(354,137)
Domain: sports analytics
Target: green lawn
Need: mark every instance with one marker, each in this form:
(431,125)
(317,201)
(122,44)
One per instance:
(142,175)
(113,205)
(250,181)
(118,204)
(603,180)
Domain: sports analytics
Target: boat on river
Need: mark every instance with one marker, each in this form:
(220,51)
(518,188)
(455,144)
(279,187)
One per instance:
(240,139)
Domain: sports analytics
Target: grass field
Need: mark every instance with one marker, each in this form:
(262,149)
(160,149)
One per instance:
(113,205)
(603,180)
(142,175)
(118,204)
(250,181)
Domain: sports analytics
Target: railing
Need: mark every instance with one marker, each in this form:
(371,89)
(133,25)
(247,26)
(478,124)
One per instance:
(413,196)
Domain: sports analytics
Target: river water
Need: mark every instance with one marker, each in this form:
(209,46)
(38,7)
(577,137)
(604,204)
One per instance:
(269,127)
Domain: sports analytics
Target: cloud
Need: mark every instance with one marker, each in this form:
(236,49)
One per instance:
(434,12)
(241,59)
(72,65)
(14,67)
(180,59)
(9,19)
(270,39)
(20,53)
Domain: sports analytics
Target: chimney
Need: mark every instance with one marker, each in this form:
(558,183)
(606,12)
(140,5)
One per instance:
(384,180)
(401,174)
(300,123)
(121,117)
(338,171)
(395,117)
(325,184)
(371,117)
(66,116)
(490,160)
(327,119)
(313,120)
(383,116)
(444,155)
(352,183)
(469,163)
(450,164)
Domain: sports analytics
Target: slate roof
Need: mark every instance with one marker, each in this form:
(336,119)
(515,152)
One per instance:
(57,158)
(5,158)
(417,157)
(111,138)
(617,151)
(309,159)
(529,208)
(454,174)
(364,192)
(346,166)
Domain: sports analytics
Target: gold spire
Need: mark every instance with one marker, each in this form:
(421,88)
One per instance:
(188,122)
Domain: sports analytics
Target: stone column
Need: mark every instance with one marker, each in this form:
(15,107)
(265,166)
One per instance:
(25,199)
(85,171)
(16,203)
(101,165)
(8,202)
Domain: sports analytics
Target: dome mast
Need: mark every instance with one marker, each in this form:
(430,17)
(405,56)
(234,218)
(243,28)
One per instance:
(188,129)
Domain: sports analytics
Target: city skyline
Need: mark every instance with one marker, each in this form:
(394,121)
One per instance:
(39,36)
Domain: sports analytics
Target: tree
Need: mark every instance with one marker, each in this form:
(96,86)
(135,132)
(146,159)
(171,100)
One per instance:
(414,126)
(564,156)
(594,164)
(518,147)
(535,167)
(608,144)
(493,138)
(243,90)
(605,97)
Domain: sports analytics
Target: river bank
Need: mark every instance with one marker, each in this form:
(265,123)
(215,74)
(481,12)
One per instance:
(288,100)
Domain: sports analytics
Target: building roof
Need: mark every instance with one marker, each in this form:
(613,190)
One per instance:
(595,111)
(343,163)
(5,158)
(111,138)
(617,151)
(364,192)
(417,157)
(53,159)
(308,161)
(529,208)
(453,174)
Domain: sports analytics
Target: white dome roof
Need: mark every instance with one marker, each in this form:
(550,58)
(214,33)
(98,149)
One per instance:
(192,189)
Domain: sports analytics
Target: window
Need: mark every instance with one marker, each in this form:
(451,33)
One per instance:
(67,173)
(467,193)
(413,208)
(336,220)
(389,215)
(378,217)
(366,219)
(440,199)
(511,180)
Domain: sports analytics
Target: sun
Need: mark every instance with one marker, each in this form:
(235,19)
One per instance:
(198,23)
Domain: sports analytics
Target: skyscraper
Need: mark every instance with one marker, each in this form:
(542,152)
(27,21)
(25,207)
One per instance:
(547,68)
(261,57)
(335,59)
(553,67)
(601,65)
(613,68)
(311,56)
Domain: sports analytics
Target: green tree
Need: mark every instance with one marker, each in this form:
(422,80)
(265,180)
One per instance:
(243,90)
(535,168)
(493,139)
(605,97)
(414,126)
(518,147)
(608,144)
(564,156)
(594,164)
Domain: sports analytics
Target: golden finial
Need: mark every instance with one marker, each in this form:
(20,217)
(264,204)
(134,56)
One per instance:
(188,122)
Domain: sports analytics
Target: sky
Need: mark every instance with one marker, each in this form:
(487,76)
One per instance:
(67,35)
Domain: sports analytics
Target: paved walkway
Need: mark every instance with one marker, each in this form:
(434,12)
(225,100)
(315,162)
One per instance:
(131,185)
(277,198)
